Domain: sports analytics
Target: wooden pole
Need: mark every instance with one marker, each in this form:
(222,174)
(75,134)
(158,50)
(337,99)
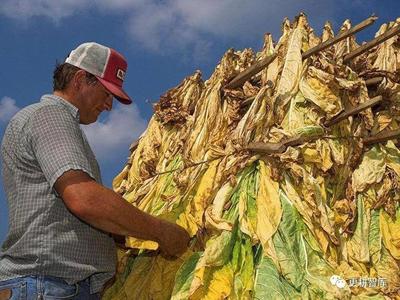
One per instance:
(383,137)
(353,111)
(273,148)
(376,41)
(299,140)
(338,38)
(373,81)
(242,77)
(267,148)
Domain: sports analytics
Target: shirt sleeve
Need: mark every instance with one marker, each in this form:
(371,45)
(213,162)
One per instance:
(57,143)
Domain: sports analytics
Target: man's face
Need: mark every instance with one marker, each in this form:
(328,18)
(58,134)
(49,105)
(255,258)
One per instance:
(94,99)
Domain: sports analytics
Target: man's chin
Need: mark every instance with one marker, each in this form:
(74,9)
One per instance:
(89,121)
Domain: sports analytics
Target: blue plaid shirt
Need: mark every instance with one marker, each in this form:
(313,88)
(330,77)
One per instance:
(41,142)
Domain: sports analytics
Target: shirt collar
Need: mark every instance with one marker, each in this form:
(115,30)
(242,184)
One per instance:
(61,101)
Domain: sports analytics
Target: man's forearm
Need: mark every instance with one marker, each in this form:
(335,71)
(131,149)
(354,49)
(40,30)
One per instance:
(108,211)
(104,209)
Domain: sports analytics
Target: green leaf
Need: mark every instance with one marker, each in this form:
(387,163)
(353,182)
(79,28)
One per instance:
(270,285)
(242,186)
(288,244)
(244,273)
(184,277)
(375,238)
(308,131)
(218,250)
(251,192)
(358,244)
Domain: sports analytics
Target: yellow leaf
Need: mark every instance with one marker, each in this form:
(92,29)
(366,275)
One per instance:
(204,192)
(321,88)
(221,284)
(371,169)
(187,221)
(269,210)
(132,242)
(391,232)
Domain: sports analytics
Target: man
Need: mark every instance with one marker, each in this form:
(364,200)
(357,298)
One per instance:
(61,218)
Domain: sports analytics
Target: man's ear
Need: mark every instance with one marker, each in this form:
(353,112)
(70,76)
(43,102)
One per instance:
(78,79)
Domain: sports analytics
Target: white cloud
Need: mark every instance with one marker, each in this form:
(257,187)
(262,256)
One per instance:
(176,25)
(8,108)
(56,10)
(112,137)
(193,26)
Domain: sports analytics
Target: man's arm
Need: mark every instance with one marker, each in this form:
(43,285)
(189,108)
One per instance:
(108,211)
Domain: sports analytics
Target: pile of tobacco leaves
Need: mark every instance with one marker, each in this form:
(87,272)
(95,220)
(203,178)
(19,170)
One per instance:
(277,223)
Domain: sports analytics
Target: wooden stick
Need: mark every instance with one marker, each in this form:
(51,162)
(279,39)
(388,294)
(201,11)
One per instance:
(338,38)
(273,148)
(299,140)
(242,77)
(258,66)
(267,148)
(373,81)
(353,111)
(383,137)
(376,41)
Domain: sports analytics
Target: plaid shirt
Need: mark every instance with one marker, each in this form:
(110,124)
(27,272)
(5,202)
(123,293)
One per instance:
(41,142)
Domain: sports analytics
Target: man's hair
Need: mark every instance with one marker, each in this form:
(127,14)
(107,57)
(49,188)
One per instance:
(63,74)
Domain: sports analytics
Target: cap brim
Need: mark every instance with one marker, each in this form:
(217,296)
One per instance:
(117,91)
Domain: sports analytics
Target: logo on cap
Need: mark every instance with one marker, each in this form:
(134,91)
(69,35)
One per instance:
(121,74)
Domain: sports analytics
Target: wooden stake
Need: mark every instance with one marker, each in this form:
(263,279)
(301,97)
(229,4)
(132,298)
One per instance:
(382,137)
(376,41)
(299,140)
(338,38)
(373,81)
(353,111)
(273,148)
(267,148)
(242,77)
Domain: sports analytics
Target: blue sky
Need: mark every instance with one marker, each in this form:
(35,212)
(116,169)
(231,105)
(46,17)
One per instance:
(163,41)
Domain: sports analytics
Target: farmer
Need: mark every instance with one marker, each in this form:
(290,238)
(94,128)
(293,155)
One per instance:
(61,218)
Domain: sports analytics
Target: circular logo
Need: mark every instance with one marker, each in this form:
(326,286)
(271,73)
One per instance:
(334,279)
(338,281)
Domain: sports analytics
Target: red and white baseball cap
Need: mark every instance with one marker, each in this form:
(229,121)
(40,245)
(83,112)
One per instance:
(105,63)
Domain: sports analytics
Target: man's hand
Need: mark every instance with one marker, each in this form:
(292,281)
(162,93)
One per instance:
(174,240)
